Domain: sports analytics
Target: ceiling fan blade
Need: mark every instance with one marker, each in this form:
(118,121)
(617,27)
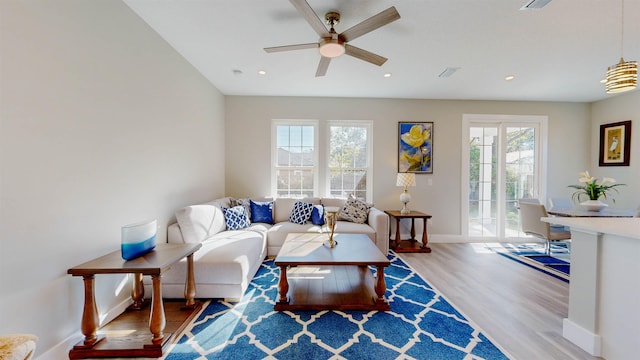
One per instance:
(323,66)
(376,21)
(291,47)
(307,12)
(364,55)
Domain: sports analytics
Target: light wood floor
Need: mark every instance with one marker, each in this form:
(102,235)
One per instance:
(520,308)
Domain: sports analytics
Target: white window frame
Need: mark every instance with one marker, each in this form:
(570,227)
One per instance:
(368,125)
(470,120)
(274,151)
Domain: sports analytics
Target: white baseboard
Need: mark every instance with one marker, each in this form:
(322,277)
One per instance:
(444,238)
(585,339)
(449,238)
(61,350)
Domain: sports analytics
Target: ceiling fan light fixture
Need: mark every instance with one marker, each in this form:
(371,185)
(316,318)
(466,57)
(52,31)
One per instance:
(331,48)
(622,77)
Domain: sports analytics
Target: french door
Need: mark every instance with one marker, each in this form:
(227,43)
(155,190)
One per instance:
(504,159)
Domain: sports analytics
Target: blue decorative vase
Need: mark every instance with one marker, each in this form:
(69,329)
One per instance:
(138,239)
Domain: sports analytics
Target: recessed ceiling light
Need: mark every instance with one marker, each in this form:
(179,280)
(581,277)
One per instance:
(509,77)
(262,72)
(387,75)
(603,81)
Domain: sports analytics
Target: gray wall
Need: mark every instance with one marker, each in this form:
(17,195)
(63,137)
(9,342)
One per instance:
(102,124)
(619,108)
(248,145)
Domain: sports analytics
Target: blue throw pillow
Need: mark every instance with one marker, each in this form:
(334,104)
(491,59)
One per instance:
(301,212)
(236,217)
(261,212)
(317,215)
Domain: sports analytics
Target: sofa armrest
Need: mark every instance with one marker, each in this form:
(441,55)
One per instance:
(174,234)
(379,221)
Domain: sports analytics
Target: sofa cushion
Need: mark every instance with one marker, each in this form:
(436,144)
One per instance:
(301,212)
(354,210)
(261,211)
(347,227)
(236,218)
(278,232)
(198,222)
(282,207)
(317,215)
(225,258)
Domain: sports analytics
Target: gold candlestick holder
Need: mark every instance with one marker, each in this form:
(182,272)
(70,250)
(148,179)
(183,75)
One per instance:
(331,217)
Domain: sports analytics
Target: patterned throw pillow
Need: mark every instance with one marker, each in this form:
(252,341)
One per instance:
(261,211)
(243,202)
(317,215)
(236,218)
(354,210)
(301,212)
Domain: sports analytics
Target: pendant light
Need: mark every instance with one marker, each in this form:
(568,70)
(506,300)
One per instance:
(622,76)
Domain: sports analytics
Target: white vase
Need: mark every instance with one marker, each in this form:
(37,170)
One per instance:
(593,205)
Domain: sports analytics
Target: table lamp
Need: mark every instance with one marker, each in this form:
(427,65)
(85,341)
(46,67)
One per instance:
(405,180)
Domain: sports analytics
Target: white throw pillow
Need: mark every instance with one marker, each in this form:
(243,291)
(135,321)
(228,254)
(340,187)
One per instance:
(354,210)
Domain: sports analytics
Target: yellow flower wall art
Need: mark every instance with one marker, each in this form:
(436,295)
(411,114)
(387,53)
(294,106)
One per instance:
(415,147)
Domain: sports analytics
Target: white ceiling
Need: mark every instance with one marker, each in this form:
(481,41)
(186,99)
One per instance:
(558,53)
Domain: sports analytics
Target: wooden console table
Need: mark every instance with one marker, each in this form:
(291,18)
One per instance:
(410,245)
(154,264)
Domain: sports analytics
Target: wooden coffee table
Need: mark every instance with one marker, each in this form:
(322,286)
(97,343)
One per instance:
(316,277)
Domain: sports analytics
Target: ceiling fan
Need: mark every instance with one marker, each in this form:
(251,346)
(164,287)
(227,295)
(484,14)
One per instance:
(332,44)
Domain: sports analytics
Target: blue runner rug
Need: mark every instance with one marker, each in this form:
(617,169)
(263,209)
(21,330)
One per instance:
(420,325)
(558,264)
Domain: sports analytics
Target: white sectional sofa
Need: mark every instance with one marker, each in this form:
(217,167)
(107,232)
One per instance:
(229,259)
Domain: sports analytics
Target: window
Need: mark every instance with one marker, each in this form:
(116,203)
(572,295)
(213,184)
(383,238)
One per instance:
(300,171)
(294,169)
(348,164)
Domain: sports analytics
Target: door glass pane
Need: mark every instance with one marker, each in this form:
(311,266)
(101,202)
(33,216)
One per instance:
(520,174)
(482,181)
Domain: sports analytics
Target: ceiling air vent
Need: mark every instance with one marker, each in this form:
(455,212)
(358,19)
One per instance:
(448,72)
(535,4)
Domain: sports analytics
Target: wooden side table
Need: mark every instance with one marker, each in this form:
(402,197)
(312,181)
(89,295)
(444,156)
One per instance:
(154,264)
(410,245)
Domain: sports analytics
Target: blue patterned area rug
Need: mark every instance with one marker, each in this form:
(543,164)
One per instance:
(420,325)
(558,264)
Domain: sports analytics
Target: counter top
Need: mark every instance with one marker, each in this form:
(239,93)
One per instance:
(627,227)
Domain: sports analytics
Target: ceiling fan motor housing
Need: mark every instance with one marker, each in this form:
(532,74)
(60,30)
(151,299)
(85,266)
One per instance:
(332,18)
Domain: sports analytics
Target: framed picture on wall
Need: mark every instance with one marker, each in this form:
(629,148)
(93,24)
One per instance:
(615,143)
(415,147)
